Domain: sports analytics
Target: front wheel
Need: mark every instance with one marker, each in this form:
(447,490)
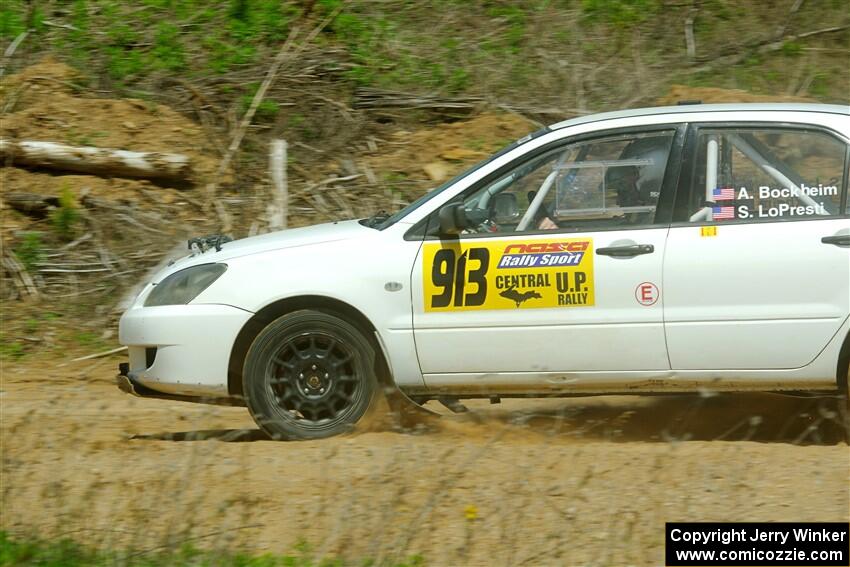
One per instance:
(845,405)
(309,374)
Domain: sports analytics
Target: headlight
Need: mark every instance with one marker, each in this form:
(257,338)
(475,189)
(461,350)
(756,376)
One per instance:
(182,287)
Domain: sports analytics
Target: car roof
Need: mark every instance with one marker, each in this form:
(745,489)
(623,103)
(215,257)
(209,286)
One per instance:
(697,108)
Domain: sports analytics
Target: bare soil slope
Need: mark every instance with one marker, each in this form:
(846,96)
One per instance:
(707,95)
(43,102)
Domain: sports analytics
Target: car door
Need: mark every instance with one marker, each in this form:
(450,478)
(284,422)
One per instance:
(559,272)
(757,270)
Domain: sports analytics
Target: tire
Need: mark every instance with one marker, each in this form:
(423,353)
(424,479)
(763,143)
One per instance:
(309,375)
(845,405)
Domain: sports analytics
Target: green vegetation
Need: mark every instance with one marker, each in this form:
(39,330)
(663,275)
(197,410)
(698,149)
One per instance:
(31,325)
(167,52)
(86,338)
(30,250)
(792,48)
(77,138)
(65,217)
(501,50)
(267,109)
(620,13)
(11,350)
(67,553)
(162,37)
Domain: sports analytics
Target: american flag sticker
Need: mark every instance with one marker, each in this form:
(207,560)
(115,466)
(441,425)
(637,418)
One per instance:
(723,194)
(722,213)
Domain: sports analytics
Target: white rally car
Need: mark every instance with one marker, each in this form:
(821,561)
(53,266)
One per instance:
(656,250)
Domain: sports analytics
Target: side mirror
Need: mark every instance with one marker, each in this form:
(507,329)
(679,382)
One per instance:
(505,208)
(453,219)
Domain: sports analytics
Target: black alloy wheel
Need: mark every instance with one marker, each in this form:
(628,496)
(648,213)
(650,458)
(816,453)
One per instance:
(309,374)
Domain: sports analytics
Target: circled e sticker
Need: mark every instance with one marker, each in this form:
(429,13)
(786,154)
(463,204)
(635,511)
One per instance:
(647,293)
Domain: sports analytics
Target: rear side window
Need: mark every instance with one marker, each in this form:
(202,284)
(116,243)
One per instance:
(766,174)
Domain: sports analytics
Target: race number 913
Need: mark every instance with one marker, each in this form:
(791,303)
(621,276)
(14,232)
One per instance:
(462,280)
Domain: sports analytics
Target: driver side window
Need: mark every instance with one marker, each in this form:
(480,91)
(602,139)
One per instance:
(596,184)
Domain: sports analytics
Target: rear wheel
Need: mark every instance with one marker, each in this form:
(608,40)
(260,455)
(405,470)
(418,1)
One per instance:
(309,374)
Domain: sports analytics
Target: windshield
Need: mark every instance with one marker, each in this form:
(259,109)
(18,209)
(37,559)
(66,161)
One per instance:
(434,192)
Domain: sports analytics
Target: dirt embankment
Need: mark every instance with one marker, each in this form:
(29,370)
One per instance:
(436,153)
(709,95)
(551,482)
(123,218)
(45,102)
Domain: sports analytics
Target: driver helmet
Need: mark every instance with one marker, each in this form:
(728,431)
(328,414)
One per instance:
(654,151)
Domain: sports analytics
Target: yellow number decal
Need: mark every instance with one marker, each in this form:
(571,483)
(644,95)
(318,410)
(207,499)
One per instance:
(508,274)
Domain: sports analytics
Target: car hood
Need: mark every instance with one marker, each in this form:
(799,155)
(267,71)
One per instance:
(305,236)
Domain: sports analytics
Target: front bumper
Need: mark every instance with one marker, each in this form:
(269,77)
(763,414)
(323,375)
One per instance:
(181,350)
(130,386)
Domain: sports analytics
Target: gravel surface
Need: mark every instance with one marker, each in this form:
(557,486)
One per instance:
(586,481)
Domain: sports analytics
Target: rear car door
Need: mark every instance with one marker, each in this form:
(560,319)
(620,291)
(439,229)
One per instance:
(561,270)
(757,268)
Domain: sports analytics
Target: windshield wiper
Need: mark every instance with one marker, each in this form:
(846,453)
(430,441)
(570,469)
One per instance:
(375,219)
(203,243)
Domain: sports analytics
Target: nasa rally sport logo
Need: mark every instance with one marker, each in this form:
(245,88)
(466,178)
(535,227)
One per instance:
(543,254)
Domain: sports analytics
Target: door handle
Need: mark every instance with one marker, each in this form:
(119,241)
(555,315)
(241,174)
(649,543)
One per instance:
(837,240)
(626,251)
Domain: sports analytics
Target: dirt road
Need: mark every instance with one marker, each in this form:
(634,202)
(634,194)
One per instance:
(588,481)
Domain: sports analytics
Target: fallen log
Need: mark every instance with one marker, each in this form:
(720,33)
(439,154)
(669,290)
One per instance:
(373,99)
(31,203)
(98,161)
